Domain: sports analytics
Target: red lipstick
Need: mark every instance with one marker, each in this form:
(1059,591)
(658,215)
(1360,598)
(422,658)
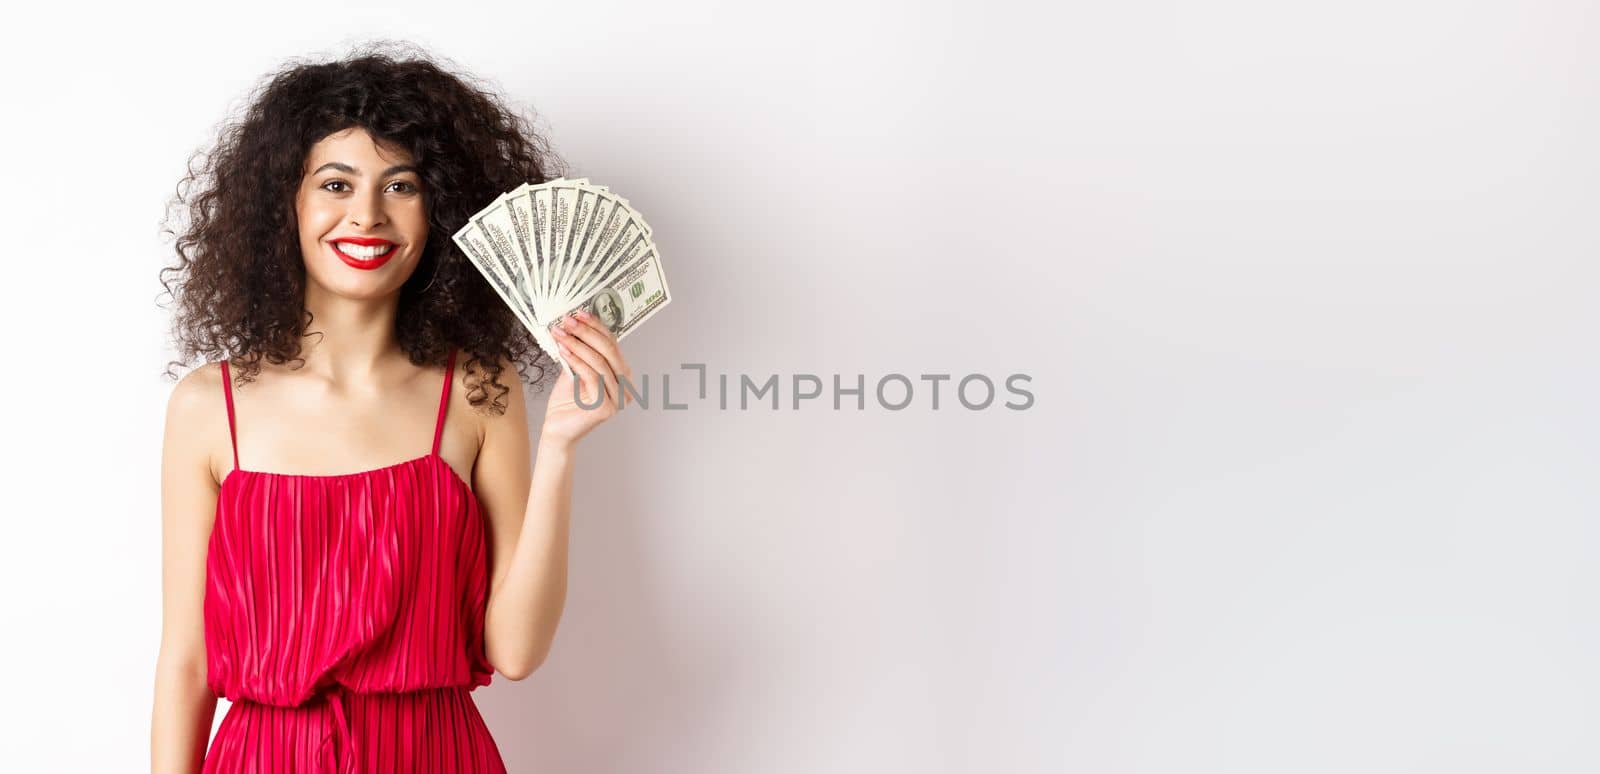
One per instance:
(388,251)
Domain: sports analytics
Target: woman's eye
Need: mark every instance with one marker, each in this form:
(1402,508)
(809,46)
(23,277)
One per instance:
(405,186)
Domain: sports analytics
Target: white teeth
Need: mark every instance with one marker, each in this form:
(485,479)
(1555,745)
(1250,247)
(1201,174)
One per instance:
(357,251)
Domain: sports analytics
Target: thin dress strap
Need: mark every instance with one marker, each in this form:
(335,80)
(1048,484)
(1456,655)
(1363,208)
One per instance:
(227,394)
(444,401)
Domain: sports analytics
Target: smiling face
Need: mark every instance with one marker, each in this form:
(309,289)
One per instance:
(363,224)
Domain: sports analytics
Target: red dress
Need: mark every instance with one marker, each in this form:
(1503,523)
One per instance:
(344,618)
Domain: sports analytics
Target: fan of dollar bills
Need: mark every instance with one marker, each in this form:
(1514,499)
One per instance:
(563,245)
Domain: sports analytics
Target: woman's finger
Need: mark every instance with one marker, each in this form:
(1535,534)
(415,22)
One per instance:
(583,377)
(598,337)
(584,326)
(602,340)
(596,362)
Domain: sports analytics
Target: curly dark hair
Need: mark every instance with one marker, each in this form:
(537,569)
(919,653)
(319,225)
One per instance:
(240,276)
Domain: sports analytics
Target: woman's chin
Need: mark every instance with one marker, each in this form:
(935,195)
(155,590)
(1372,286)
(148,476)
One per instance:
(356,288)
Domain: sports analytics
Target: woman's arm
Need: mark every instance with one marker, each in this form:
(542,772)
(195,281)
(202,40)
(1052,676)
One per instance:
(530,514)
(528,570)
(180,722)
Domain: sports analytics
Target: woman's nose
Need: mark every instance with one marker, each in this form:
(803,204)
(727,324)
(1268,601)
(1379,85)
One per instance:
(366,211)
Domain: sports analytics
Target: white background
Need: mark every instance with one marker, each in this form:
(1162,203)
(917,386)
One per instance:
(1307,293)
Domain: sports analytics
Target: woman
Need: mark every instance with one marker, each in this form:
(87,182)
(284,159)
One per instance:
(346,604)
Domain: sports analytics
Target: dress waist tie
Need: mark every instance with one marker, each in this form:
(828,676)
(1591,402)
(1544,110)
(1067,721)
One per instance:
(343,757)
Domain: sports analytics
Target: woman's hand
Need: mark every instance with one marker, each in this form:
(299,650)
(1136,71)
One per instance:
(596,361)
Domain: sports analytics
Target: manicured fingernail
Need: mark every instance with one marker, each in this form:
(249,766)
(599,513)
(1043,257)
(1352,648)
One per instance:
(557,331)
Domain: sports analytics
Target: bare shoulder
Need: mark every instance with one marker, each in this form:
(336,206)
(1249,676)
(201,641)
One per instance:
(502,474)
(196,409)
(510,394)
(195,395)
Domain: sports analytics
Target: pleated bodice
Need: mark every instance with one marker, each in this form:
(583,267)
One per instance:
(374,581)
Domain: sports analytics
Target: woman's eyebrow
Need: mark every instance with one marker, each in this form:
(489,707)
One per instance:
(349,170)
